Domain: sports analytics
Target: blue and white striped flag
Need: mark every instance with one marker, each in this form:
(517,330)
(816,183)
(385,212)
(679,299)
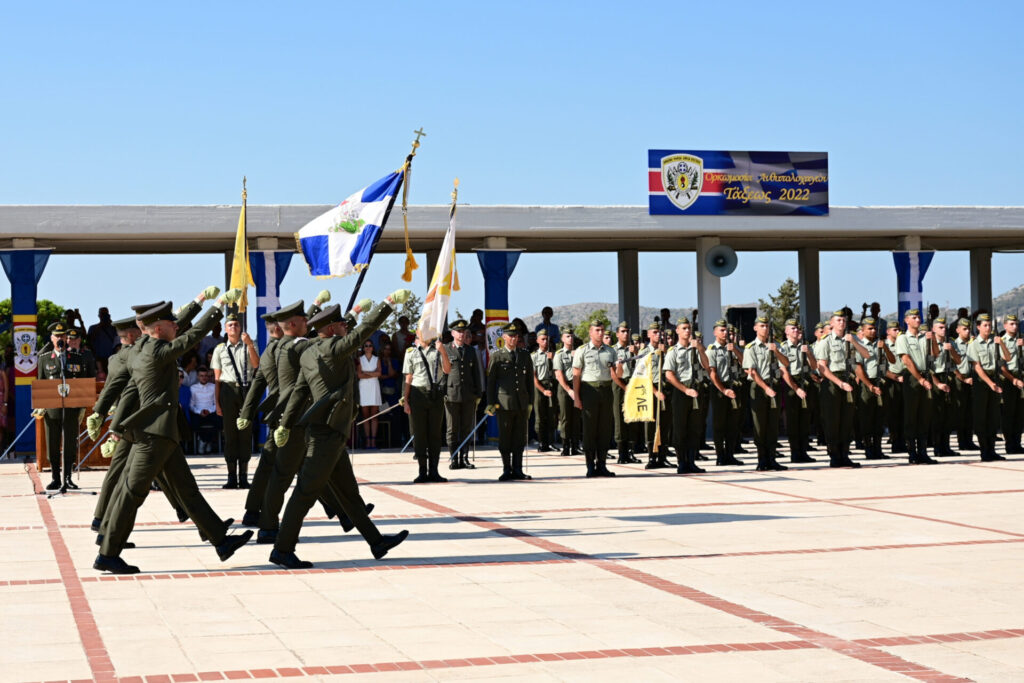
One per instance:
(910,269)
(341,241)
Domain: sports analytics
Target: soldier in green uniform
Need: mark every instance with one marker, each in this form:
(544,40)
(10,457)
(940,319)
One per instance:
(569,416)
(656,431)
(156,449)
(624,431)
(759,361)
(870,372)
(913,348)
(234,363)
(264,381)
(836,354)
(323,402)
(800,360)
(462,391)
(544,387)
(681,373)
(894,391)
(944,362)
(57,362)
(424,368)
(813,388)
(724,361)
(592,366)
(1012,406)
(985,354)
(962,410)
(509,379)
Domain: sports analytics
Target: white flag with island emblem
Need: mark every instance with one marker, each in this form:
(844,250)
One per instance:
(442,284)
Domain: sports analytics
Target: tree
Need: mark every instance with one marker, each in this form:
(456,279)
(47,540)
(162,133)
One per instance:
(781,306)
(411,309)
(583,328)
(47,313)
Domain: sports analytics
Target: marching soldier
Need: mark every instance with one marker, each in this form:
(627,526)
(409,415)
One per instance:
(623,371)
(913,348)
(1012,407)
(835,354)
(798,413)
(681,363)
(658,432)
(424,366)
(724,361)
(985,353)
(569,416)
(894,391)
(592,384)
(871,371)
(234,362)
(944,362)
(759,361)
(962,389)
(544,391)
(509,379)
(462,391)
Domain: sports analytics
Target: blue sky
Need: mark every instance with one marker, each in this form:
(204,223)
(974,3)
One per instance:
(528,103)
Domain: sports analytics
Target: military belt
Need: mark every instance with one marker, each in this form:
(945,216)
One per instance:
(599,385)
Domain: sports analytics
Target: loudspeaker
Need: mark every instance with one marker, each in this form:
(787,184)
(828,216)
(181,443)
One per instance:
(743,320)
(721,261)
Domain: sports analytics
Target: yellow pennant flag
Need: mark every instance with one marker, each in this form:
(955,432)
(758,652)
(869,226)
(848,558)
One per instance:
(241,273)
(638,404)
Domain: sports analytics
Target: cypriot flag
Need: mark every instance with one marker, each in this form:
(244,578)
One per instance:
(444,281)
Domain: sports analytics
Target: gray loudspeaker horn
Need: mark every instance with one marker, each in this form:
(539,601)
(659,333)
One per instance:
(721,261)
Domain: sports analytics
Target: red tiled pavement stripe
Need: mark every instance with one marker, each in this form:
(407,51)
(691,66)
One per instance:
(857,651)
(95,651)
(989,466)
(28,582)
(938,638)
(27,527)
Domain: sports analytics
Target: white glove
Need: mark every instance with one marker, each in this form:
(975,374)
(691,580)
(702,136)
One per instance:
(38,412)
(107,448)
(242,424)
(363,305)
(323,297)
(231,296)
(93,424)
(281,436)
(210,292)
(400,296)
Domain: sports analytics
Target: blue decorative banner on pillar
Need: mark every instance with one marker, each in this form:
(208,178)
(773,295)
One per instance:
(268,271)
(497,267)
(910,269)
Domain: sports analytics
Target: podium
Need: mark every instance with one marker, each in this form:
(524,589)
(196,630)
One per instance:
(77,394)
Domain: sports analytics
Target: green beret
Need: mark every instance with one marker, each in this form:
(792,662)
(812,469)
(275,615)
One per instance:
(964,322)
(654,326)
(761,319)
(232,318)
(1010,318)
(912,311)
(327,316)
(819,326)
(290,311)
(622,326)
(984,317)
(636,336)
(73,333)
(940,319)
(542,332)
(721,323)
(58,328)
(162,311)
(868,321)
(894,325)
(793,322)
(682,321)
(510,328)
(125,324)
(458,325)
(142,308)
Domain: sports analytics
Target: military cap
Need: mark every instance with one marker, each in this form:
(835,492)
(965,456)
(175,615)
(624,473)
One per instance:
(839,313)
(290,311)
(912,311)
(894,325)
(1010,318)
(125,324)
(459,325)
(793,322)
(232,318)
(510,328)
(636,336)
(270,317)
(819,326)
(566,330)
(654,326)
(325,317)
(542,332)
(940,319)
(142,308)
(761,319)
(868,321)
(984,317)
(682,320)
(964,322)
(58,328)
(721,323)
(73,333)
(622,326)
(162,311)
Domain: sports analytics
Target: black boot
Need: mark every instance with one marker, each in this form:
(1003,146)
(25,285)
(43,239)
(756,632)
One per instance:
(922,453)
(576,449)
(591,466)
(506,467)
(466,464)
(565,447)
(232,482)
(243,473)
(601,467)
(423,478)
(517,467)
(911,448)
(455,462)
(433,476)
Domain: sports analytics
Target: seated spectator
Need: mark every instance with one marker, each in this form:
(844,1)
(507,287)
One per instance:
(184,412)
(209,342)
(203,409)
(190,365)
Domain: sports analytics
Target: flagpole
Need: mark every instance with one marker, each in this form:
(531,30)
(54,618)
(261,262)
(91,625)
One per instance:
(384,222)
(245,241)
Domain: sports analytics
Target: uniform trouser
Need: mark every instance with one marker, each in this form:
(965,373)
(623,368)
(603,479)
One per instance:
(264,471)
(702,417)
(115,472)
(765,412)
(661,422)
(798,421)
(512,432)
(917,412)
(942,414)
(985,404)
(461,416)
(686,431)
(287,461)
(625,432)
(52,423)
(597,417)
(962,412)
(150,456)
(894,411)
(837,409)
(1011,411)
(813,408)
(569,419)
(326,472)
(544,415)
(870,409)
(725,422)
(426,414)
(237,442)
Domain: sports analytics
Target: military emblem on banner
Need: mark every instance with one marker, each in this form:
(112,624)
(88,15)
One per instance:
(683,177)
(25,359)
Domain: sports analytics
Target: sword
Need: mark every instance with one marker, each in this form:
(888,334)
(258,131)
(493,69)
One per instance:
(472,433)
(407,444)
(31,423)
(383,412)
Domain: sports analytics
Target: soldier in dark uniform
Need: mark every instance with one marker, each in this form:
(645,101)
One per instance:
(424,368)
(544,387)
(462,391)
(569,417)
(624,431)
(59,361)
(88,359)
(323,401)
(509,380)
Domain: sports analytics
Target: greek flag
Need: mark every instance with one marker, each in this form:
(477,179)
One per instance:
(268,270)
(910,269)
(341,241)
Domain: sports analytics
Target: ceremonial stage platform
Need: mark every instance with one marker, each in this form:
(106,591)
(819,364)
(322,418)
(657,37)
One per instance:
(884,573)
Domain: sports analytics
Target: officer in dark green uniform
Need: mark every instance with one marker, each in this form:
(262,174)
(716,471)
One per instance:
(323,402)
(544,388)
(462,391)
(592,366)
(986,356)
(60,361)
(569,417)
(759,361)
(88,359)
(424,367)
(509,380)
(156,449)
(625,432)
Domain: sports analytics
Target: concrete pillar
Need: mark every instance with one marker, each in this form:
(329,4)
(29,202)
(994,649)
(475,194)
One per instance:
(432,257)
(709,287)
(981,280)
(629,288)
(810,287)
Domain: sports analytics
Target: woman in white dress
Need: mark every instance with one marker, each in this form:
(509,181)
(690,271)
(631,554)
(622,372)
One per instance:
(368,372)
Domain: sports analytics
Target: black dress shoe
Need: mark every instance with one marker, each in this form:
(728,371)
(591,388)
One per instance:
(521,476)
(230,484)
(507,476)
(421,479)
(231,543)
(114,565)
(266,536)
(288,560)
(95,526)
(251,518)
(128,545)
(71,485)
(346,523)
(777,467)
(543,448)
(436,478)
(576,451)
(386,543)
(724,462)
(227,525)
(182,515)
(53,485)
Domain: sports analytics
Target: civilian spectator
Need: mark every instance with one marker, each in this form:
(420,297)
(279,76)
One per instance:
(546,324)
(73,319)
(368,371)
(190,365)
(184,413)
(390,372)
(476,321)
(402,339)
(102,338)
(209,342)
(203,409)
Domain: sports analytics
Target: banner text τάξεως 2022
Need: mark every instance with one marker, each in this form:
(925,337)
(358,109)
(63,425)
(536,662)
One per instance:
(708,183)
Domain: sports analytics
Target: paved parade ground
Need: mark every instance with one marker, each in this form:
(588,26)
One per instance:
(813,574)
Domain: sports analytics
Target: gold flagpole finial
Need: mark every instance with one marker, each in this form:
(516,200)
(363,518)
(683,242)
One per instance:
(455,191)
(416,143)
(244,192)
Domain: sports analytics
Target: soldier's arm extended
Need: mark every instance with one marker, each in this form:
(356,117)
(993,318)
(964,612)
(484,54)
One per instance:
(1002,348)
(863,377)
(858,346)
(577,378)
(889,356)
(957,358)
(1005,372)
(912,369)
(172,351)
(831,377)
(342,347)
(980,371)
(756,376)
(717,381)
(446,363)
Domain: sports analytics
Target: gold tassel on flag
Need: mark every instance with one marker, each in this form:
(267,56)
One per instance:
(241,272)
(410,260)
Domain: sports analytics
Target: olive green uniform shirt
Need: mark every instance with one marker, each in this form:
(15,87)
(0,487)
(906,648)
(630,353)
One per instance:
(594,362)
